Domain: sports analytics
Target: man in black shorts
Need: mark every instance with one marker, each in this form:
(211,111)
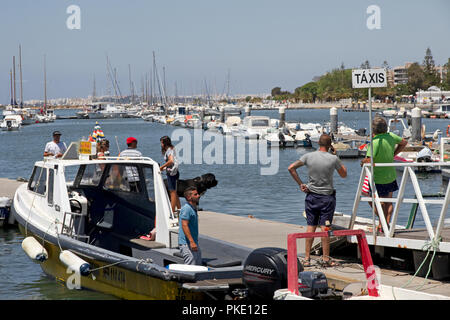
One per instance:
(320,200)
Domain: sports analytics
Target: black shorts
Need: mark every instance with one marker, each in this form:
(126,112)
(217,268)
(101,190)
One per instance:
(319,208)
(172,181)
(384,189)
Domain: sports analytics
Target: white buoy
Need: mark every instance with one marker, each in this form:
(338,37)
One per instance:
(74,262)
(282,111)
(34,249)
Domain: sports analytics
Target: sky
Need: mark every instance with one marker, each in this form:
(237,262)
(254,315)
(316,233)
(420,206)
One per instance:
(261,44)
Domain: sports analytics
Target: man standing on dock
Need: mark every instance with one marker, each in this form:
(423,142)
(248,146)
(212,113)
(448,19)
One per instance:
(320,200)
(55,148)
(188,231)
(386,145)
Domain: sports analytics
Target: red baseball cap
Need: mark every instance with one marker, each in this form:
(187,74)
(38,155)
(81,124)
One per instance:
(131,139)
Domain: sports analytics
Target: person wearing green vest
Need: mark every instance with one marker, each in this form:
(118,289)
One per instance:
(386,145)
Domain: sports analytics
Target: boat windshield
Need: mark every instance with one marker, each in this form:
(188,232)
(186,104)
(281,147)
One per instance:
(116,177)
(260,123)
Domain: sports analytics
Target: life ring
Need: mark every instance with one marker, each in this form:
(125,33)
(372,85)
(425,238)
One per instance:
(448,129)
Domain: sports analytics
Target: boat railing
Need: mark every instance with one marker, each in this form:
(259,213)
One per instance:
(72,230)
(421,200)
(369,269)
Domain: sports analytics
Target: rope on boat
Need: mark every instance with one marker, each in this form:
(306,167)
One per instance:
(125,260)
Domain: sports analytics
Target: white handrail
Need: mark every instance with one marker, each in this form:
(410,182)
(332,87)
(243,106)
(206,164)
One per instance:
(408,172)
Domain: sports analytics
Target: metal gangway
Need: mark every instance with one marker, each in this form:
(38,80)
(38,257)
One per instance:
(407,237)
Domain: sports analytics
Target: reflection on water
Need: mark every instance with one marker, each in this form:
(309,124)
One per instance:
(241,190)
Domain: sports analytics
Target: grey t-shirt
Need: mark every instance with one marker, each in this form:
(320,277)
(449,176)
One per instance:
(321,166)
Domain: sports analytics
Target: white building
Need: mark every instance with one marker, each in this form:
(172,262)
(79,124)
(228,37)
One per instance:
(433,94)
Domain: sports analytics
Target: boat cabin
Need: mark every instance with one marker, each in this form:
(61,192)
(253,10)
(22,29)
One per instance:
(110,203)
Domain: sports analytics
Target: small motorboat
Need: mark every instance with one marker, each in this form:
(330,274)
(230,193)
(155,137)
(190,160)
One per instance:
(87,216)
(421,154)
(11,122)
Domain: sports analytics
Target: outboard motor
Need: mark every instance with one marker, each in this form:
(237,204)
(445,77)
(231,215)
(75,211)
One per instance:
(265,271)
(424,155)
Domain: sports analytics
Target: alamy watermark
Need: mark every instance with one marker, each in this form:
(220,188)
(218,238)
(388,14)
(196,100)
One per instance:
(374,20)
(221,150)
(73,22)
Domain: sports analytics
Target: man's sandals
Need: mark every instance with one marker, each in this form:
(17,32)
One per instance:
(323,263)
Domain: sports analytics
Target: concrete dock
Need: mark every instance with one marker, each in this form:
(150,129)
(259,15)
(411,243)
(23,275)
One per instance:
(256,233)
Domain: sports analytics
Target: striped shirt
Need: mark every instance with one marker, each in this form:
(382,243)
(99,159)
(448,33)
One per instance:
(132,173)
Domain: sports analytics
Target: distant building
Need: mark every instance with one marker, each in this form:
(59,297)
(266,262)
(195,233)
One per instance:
(432,95)
(400,75)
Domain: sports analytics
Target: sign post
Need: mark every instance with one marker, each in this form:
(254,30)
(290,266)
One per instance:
(370,78)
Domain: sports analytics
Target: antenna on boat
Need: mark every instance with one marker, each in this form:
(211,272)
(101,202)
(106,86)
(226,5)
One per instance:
(117,142)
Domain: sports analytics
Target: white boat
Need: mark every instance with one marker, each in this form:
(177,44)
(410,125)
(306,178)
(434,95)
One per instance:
(390,113)
(12,122)
(213,126)
(279,138)
(418,154)
(81,220)
(443,110)
(302,139)
(314,130)
(193,121)
(92,111)
(254,127)
(231,126)
(113,111)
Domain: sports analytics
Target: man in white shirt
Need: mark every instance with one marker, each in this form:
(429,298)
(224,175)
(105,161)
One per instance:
(132,175)
(55,148)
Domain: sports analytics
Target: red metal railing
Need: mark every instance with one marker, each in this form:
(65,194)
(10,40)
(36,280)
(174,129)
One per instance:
(366,258)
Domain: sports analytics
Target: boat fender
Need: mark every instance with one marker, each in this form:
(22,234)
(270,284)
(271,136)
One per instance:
(34,249)
(74,262)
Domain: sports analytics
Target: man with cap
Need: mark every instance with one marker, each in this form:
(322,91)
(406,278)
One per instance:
(132,150)
(132,175)
(55,148)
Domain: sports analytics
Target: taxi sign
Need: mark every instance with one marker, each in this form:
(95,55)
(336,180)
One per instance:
(369,78)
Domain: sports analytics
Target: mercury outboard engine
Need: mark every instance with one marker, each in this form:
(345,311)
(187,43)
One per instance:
(265,271)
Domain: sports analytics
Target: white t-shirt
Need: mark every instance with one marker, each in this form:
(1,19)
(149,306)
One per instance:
(131,172)
(173,169)
(55,148)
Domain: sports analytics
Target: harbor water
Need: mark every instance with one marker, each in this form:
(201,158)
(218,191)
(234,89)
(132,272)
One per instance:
(242,189)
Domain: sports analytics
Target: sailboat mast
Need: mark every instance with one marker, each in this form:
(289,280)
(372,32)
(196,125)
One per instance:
(11,79)
(131,84)
(20,70)
(14,79)
(93,91)
(45,86)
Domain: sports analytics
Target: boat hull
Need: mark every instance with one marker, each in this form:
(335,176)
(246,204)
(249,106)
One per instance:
(113,280)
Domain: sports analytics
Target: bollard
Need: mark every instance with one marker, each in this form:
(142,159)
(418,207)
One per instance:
(334,120)
(282,111)
(202,113)
(416,124)
(222,114)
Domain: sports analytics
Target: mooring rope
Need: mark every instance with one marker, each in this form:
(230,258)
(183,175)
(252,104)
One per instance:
(431,245)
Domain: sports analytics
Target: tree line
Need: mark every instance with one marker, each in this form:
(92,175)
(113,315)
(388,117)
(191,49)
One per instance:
(337,84)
